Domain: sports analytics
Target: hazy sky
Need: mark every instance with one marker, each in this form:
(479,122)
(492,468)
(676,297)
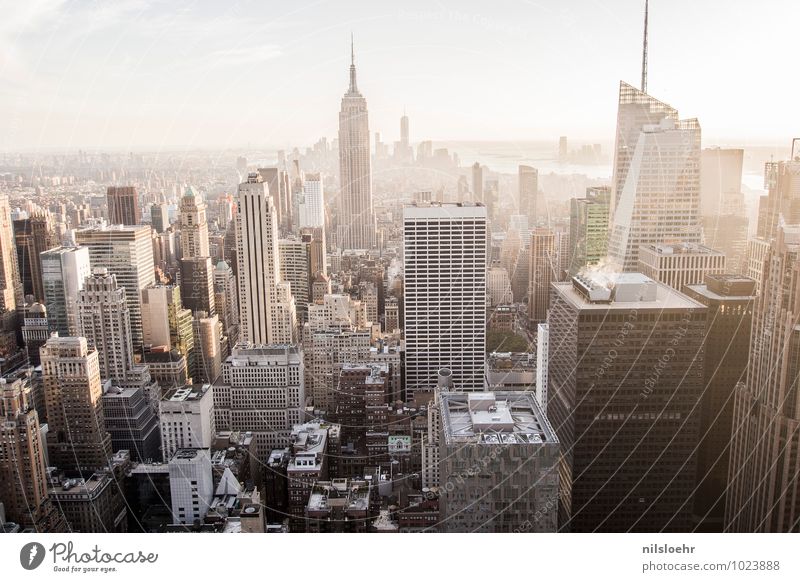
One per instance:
(147,74)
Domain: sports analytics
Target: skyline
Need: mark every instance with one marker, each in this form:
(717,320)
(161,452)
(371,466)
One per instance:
(113,80)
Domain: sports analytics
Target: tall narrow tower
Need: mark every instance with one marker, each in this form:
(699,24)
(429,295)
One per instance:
(356,219)
(266,307)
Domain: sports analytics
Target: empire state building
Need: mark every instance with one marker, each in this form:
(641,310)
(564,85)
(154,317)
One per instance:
(356,227)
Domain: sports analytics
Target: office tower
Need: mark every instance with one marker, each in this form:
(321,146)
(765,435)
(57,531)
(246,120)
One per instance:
(730,300)
(368,295)
(499,286)
(404,131)
(32,237)
(123,205)
(35,330)
(166,324)
(764,474)
(10,286)
(186,414)
(226,299)
(127,253)
(261,390)
(208,355)
(356,226)
(562,243)
(159,217)
(656,178)
(64,271)
(194,226)
(782,182)
(722,205)
(528,202)
(191,485)
(680,264)
(542,267)
(296,270)
(266,308)
(197,284)
(757,251)
(132,422)
(318,254)
(588,228)
(312,209)
(23,474)
(563,151)
(508,436)
(77,439)
(445,264)
(278,182)
(104,320)
(477,183)
(542,364)
(625,377)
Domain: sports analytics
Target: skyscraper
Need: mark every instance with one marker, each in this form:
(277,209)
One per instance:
(127,253)
(194,226)
(477,183)
(730,300)
(356,226)
(77,438)
(266,308)
(588,228)
(528,203)
(764,474)
(312,209)
(279,188)
(123,205)
(543,268)
(625,377)
(64,272)
(32,236)
(445,265)
(104,320)
(656,178)
(23,475)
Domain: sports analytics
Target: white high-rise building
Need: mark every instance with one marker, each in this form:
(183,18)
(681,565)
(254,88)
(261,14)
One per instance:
(445,265)
(191,485)
(656,178)
(64,271)
(104,320)
(312,209)
(266,308)
(127,253)
(356,227)
(187,419)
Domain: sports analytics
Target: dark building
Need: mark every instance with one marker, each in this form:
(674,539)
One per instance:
(197,285)
(626,372)
(123,205)
(730,300)
(32,236)
(132,423)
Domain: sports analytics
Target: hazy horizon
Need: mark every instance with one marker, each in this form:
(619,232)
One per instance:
(142,74)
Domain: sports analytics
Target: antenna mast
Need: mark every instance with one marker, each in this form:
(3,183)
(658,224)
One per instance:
(644,49)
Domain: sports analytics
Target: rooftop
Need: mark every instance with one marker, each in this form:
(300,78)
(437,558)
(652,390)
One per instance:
(507,418)
(622,291)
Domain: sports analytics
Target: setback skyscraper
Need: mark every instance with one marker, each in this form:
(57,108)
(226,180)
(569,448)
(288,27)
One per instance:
(356,227)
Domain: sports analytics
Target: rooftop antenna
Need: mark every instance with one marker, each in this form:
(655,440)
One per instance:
(353,86)
(644,49)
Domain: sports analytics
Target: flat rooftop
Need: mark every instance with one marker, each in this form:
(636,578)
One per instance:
(680,249)
(663,297)
(509,418)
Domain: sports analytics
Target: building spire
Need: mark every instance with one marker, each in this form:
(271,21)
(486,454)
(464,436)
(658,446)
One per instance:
(644,49)
(353,86)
